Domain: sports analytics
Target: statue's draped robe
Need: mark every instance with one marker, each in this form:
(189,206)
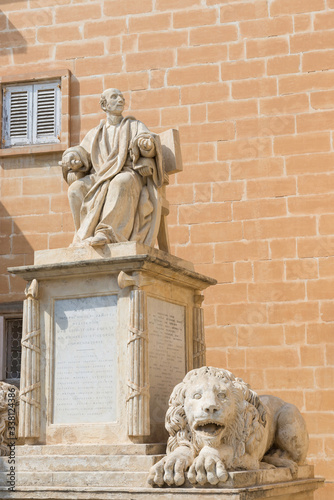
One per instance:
(120,202)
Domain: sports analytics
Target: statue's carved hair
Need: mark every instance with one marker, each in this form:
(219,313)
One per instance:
(249,419)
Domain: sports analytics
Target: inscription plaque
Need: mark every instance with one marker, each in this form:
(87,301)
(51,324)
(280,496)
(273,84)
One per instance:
(85,360)
(167,353)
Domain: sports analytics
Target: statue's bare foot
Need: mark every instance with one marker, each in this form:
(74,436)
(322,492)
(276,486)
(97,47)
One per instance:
(99,240)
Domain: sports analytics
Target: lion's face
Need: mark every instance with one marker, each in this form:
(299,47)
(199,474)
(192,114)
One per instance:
(210,406)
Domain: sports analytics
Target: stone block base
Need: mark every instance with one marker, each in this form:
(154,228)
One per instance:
(119,472)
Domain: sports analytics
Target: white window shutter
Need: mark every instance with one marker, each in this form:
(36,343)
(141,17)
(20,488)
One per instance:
(47,113)
(17,119)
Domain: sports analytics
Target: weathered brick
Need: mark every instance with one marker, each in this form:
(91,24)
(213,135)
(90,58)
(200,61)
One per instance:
(71,13)
(227,293)
(268,271)
(98,65)
(322,100)
(312,355)
(204,212)
(107,27)
(149,60)
(326,224)
(159,41)
(155,98)
(31,18)
(54,34)
(240,70)
(225,336)
(311,204)
(153,22)
(211,92)
(244,149)
(265,126)
(262,28)
(302,22)
(279,7)
(220,231)
(259,87)
(240,250)
(301,269)
(237,109)
(173,116)
(324,20)
(204,73)
(242,314)
(310,163)
(207,132)
(258,209)
(271,188)
(283,248)
(196,17)
(276,292)
(80,49)
(113,8)
(279,357)
(302,143)
(212,34)
(316,247)
(227,191)
(306,82)
(280,227)
(243,271)
(294,378)
(284,104)
(198,254)
(175,4)
(267,167)
(297,312)
(267,47)
(243,11)
(283,64)
(201,54)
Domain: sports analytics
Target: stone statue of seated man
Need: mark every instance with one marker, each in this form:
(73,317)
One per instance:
(114,178)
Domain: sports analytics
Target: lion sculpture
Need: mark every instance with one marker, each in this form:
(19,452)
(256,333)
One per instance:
(218,424)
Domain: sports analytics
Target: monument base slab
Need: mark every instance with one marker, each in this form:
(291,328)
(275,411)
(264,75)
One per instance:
(120,473)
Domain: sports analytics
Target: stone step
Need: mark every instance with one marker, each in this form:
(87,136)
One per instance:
(91,449)
(55,463)
(78,479)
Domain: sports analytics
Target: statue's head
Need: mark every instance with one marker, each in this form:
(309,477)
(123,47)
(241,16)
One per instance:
(112,102)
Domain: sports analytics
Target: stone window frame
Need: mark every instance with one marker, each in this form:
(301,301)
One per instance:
(36,78)
(12,310)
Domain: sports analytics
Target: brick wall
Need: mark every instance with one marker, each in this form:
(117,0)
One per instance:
(250,86)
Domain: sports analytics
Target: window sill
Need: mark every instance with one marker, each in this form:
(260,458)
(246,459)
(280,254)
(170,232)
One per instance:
(33,149)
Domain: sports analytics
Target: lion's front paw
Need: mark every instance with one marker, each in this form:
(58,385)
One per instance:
(171,469)
(207,468)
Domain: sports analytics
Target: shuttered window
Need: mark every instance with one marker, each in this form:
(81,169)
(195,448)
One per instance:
(31,114)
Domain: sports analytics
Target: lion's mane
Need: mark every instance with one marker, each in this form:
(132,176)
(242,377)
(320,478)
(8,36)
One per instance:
(243,432)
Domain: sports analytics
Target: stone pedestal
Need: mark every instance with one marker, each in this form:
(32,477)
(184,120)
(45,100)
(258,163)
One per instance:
(115,330)
(119,472)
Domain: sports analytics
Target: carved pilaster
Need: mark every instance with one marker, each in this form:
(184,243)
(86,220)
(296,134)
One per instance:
(138,399)
(198,332)
(30,387)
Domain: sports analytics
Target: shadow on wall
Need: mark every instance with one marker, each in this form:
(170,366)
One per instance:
(10,36)
(15,250)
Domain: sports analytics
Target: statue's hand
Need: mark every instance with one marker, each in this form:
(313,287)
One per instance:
(146,146)
(145,171)
(207,468)
(71,161)
(171,469)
